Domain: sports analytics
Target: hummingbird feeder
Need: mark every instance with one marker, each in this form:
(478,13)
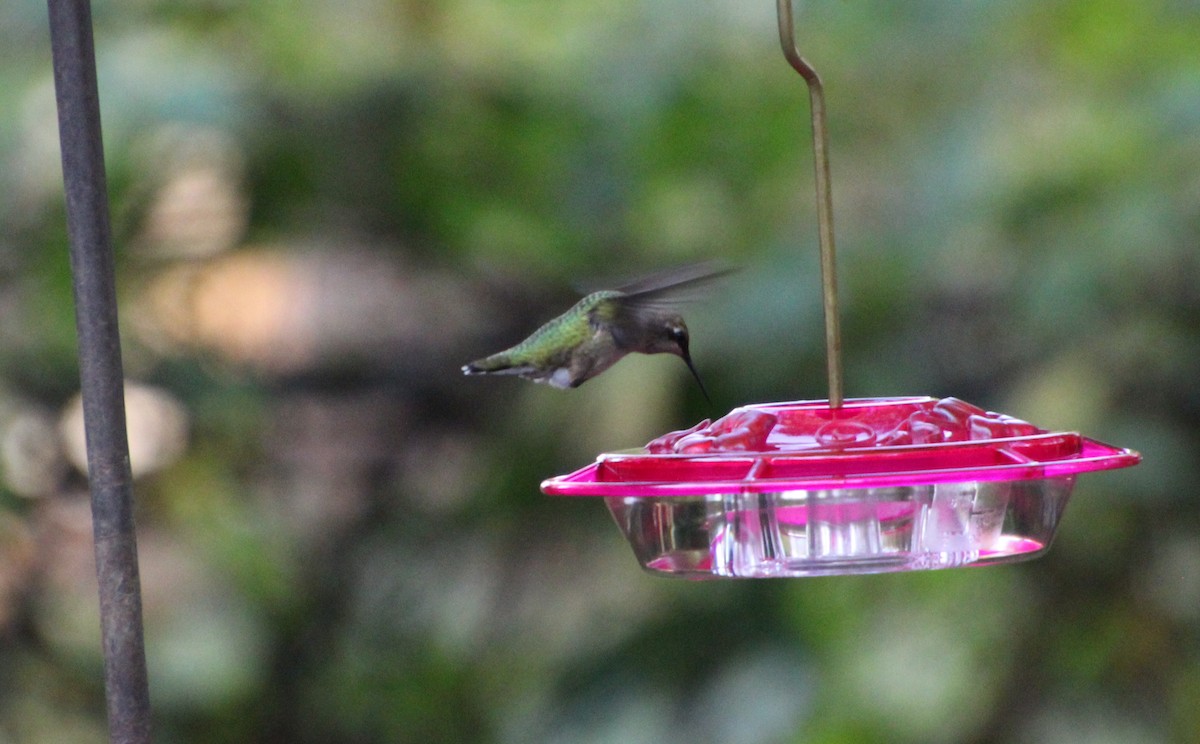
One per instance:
(840,486)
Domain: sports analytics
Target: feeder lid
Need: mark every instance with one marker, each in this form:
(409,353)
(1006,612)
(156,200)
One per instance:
(866,443)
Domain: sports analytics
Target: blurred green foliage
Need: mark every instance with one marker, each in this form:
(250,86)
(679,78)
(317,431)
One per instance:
(321,209)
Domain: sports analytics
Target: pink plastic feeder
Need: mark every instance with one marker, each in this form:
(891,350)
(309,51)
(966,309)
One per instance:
(803,489)
(837,486)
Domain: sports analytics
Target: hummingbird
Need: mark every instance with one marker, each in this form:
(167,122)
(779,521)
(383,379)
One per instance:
(603,327)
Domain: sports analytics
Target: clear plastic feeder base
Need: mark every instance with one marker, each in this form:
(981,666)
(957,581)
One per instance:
(842,531)
(798,489)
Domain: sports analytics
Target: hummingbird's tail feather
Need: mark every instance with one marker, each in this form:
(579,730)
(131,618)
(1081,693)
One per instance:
(500,364)
(496,364)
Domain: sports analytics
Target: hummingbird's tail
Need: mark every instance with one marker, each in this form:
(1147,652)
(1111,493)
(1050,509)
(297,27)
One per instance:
(504,363)
(496,364)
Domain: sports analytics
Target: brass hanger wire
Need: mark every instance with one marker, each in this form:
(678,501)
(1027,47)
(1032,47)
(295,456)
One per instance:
(816,96)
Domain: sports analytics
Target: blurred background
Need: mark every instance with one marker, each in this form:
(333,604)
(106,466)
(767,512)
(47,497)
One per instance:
(322,209)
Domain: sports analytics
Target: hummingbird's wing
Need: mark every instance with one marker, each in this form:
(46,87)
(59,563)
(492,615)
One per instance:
(627,312)
(638,304)
(675,286)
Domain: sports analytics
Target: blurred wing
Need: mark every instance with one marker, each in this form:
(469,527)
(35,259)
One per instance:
(675,286)
(639,303)
(658,294)
(676,277)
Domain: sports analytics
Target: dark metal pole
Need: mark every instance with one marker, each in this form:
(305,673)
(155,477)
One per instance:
(102,381)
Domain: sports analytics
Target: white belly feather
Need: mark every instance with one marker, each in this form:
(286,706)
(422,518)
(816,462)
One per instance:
(560,378)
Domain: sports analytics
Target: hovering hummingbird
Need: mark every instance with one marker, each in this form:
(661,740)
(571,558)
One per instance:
(605,326)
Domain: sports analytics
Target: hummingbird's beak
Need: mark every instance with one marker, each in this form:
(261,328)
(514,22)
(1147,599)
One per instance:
(687,358)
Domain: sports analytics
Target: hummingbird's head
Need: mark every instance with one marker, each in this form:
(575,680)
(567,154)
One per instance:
(677,337)
(673,339)
(669,337)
